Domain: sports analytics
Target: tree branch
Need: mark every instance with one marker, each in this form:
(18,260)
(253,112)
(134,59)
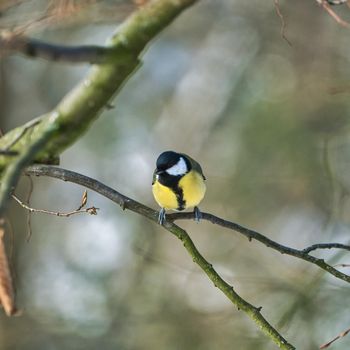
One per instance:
(77,111)
(283,22)
(251,234)
(79,210)
(128,203)
(326,246)
(341,335)
(12,43)
(326,6)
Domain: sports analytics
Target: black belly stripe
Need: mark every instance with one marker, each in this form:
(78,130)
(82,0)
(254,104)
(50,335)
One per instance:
(180,198)
(173,183)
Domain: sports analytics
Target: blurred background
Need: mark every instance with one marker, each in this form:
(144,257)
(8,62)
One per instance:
(269,124)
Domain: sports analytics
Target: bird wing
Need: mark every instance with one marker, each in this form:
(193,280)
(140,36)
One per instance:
(195,165)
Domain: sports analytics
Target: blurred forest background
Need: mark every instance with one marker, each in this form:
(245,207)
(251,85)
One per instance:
(269,124)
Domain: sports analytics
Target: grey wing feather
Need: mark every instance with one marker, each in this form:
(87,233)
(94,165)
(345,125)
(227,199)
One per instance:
(195,165)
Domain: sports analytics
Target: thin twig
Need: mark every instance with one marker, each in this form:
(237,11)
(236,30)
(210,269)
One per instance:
(326,246)
(10,42)
(90,210)
(22,133)
(83,201)
(29,214)
(283,22)
(341,335)
(127,203)
(331,12)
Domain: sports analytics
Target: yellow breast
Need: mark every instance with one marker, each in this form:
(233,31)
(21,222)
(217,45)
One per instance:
(164,196)
(193,187)
(193,190)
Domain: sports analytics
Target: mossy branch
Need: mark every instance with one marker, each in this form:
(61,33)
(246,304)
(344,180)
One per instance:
(79,108)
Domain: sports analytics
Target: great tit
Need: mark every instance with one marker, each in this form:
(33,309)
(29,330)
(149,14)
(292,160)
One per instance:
(178,183)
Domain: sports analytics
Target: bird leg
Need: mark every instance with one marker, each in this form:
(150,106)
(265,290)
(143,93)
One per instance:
(161,216)
(197,214)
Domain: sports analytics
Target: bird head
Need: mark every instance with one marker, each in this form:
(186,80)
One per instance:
(173,164)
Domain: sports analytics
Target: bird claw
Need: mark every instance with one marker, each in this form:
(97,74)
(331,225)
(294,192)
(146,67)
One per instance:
(161,216)
(197,214)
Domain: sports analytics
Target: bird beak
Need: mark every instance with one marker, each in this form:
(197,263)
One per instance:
(159,172)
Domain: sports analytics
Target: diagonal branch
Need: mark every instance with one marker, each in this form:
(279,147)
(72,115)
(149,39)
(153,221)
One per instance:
(339,336)
(326,6)
(80,108)
(64,125)
(251,234)
(127,203)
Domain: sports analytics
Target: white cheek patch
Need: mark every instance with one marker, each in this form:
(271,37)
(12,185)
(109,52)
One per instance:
(180,168)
